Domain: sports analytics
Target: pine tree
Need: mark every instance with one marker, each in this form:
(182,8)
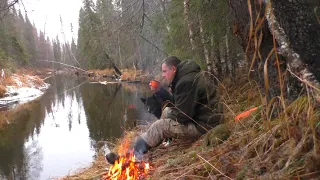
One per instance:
(29,40)
(57,51)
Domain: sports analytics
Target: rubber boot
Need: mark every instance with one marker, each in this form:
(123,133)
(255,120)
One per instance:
(140,147)
(112,157)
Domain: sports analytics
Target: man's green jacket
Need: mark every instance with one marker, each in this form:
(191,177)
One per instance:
(195,97)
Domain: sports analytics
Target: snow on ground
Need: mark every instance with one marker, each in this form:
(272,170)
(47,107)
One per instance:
(24,91)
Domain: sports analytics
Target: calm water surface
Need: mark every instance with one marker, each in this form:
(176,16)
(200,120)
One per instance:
(60,131)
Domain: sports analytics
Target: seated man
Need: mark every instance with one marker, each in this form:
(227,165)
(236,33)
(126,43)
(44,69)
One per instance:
(195,109)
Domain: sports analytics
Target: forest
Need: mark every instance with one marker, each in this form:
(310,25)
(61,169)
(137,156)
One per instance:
(273,44)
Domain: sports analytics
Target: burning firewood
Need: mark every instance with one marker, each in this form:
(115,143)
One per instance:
(126,167)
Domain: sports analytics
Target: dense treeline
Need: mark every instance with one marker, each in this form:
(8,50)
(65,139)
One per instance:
(220,35)
(22,44)
(128,34)
(139,34)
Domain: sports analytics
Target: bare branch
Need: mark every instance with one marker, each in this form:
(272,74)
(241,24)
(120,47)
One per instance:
(153,45)
(64,65)
(6,8)
(68,48)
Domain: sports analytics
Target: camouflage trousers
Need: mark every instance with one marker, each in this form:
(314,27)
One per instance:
(168,128)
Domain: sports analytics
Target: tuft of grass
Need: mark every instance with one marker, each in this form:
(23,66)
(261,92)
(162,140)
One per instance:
(3,91)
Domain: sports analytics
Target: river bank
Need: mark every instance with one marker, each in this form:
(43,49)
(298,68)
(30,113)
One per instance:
(19,89)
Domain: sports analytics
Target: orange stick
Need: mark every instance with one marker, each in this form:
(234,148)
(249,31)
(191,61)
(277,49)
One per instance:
(245,114)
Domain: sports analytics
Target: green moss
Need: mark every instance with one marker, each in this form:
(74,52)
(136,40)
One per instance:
(216,136)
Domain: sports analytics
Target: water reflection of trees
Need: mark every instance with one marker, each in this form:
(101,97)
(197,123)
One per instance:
(103,109)
(119,105)
(21,161)
(14,162)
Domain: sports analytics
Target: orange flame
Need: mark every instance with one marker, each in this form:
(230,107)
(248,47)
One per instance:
(127,168)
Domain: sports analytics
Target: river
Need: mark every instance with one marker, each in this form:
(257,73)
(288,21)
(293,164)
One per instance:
(59,132)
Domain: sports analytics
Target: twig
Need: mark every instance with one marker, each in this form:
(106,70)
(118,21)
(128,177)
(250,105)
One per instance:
(153,45)
(308,174)
(297,149)
(214,167)
(184,174)
(75,87)
(68,47)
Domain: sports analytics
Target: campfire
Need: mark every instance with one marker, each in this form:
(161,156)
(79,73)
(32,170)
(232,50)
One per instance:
(128,168)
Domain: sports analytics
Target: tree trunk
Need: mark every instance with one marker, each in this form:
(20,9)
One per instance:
(186,13)
(226,54)
(204,44)
(119,50)
(216,50)
(233,69)
(256,40)
(164,11)
(296,28)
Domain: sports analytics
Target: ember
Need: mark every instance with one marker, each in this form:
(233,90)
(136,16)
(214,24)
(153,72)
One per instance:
(127,168)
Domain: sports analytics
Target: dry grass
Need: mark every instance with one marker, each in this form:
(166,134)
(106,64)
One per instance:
(97,169)
(25,78)
(3,90)
(257,148)
(102,72)
(127,74)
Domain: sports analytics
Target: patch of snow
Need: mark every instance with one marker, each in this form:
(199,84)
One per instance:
(16,79)
(44,87)
(22,94)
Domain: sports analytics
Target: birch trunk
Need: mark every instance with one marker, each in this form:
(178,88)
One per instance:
(204,44)
(119,50)
(216,50)
(164,11)
(186,13)
(298,36)
(226,53)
